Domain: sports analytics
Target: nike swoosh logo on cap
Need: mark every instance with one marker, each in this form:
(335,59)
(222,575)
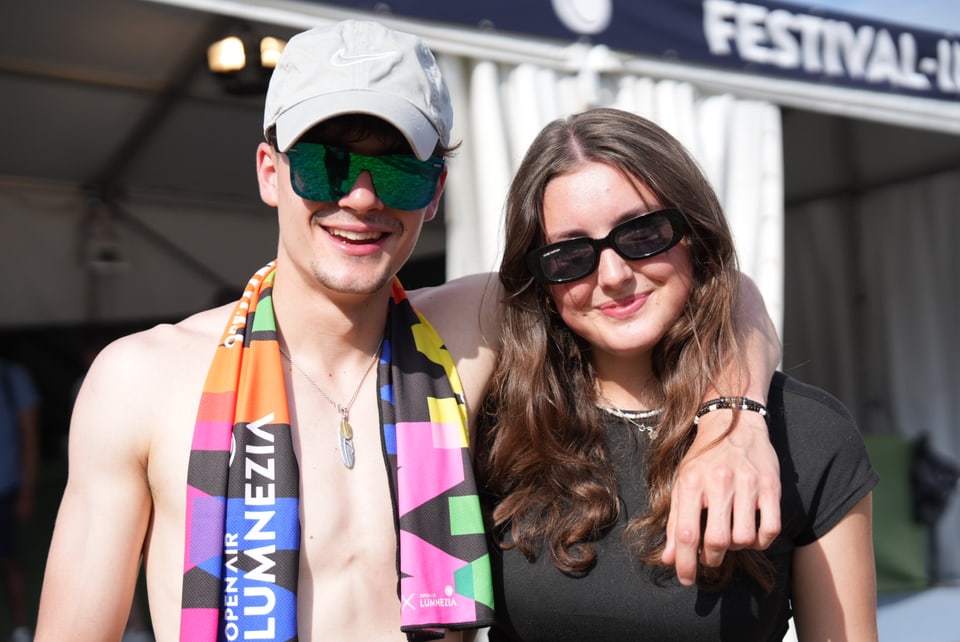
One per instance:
(342,59)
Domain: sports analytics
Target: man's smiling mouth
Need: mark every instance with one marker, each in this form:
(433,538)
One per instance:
(353,236)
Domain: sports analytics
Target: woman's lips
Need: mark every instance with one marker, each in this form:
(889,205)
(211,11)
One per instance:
(625,307)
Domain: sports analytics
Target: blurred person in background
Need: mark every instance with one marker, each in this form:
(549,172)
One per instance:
(19,459)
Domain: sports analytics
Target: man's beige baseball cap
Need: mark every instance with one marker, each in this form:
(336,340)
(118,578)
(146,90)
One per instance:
(359,67)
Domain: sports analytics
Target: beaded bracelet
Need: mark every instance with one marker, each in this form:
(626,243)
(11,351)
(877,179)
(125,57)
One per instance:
(729,403)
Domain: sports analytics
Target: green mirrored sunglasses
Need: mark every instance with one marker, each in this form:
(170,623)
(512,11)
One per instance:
(325,173)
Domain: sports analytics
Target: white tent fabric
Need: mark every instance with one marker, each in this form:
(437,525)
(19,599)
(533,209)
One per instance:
(892,359)
(500,108)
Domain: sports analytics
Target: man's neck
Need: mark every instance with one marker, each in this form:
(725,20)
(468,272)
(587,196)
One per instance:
(339,328)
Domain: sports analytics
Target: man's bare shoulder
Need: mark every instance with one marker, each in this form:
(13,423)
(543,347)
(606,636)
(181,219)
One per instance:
(464,308)
(165,359)
(172,342)
(465,313)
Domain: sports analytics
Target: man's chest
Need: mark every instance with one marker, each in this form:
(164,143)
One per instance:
(344,512)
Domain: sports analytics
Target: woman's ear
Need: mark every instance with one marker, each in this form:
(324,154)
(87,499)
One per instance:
(267,173)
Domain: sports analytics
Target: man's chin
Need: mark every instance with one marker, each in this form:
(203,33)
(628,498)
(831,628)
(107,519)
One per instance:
(355,285)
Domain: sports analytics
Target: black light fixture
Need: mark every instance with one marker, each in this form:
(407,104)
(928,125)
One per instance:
(244,62)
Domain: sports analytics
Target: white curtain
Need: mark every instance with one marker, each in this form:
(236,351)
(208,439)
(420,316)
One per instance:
(500,108)
(873,312)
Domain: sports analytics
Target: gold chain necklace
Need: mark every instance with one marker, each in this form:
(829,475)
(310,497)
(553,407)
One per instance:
(345,433)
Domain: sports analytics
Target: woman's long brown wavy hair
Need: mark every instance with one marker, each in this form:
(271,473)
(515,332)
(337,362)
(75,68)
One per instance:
(541,456)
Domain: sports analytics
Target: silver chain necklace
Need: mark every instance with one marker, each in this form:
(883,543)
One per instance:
(345,433)
(636,418)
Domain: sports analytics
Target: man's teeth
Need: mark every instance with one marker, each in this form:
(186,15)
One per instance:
(356,236)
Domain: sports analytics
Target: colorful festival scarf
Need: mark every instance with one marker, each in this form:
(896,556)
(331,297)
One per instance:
(242,519)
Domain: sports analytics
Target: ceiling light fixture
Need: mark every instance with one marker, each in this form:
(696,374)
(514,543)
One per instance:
(243,63)
(226,55)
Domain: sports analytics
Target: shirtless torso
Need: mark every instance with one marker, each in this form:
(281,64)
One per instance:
(130,444)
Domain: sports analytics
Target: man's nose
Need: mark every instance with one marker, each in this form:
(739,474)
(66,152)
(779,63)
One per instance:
(362,195)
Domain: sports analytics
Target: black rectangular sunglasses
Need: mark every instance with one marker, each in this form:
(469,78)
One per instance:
(639,238)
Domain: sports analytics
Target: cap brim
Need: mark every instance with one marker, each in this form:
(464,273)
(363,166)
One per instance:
(411,122)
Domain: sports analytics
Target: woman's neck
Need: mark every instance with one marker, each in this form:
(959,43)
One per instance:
(627,384)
